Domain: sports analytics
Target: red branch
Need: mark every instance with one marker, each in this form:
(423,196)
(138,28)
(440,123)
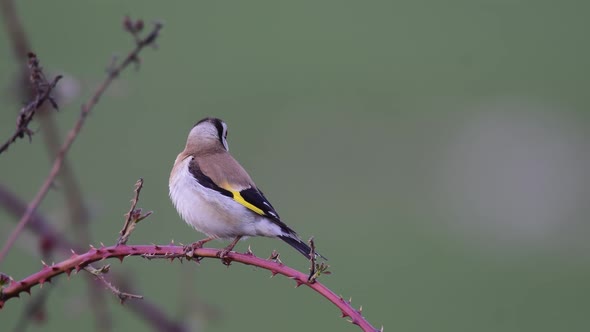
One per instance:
(79,261)
(50,239)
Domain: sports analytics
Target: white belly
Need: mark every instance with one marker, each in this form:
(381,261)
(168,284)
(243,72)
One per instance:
(211,213)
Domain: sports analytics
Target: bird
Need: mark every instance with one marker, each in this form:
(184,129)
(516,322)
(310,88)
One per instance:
(215,195)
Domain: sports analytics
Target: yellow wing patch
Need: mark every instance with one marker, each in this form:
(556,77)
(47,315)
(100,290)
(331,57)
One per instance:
(238,198)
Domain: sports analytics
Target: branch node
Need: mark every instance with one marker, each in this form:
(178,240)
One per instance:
(275,257)
(42,89)
(133,217)
(5,280)
(315,270)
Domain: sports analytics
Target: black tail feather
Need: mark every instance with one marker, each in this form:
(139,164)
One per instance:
(301,246)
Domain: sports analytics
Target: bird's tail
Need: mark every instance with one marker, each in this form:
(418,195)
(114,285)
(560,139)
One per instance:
(301,246)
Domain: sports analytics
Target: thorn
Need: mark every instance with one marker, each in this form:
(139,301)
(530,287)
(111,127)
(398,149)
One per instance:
(350,300)
(381,328)
(156,247)
(299,283)
(273,273)
(54,268)
(360,311)
(121,257)
(344,315)
(92,247)
(78,268)
(44,264)
(73,252)
(68,272)
(249,252)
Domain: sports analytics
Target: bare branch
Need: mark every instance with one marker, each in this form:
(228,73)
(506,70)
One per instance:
(113,73)
(315,270)
(99,274)
(42,88)
(51,240)
(77,262)
(132,217)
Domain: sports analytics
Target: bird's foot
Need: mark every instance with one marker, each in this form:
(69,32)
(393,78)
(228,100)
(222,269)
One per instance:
(223,254)
(190,248)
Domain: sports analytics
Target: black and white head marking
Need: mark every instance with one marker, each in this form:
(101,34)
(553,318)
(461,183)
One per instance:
(212,128)
(222,132)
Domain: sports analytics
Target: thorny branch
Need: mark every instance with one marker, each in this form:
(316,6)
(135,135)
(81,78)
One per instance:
(50,239)
(113,73)
(43,89)
(77,262)
(10,288)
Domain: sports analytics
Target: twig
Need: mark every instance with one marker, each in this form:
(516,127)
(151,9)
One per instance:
(315,270)
(99,274)
(78,218)
(52,240)
(78,261)
(113,73)
(43,90)
(132,217)
(312,269)
(76,208)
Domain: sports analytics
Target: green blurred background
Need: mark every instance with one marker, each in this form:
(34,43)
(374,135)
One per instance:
(437,150)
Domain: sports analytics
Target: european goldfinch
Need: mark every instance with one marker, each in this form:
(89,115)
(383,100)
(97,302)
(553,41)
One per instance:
(216,196)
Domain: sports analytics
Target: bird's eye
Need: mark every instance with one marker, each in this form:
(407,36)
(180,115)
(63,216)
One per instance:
(227,131)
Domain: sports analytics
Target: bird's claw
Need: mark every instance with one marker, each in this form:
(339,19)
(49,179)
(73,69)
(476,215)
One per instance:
(224,256)
(190,248)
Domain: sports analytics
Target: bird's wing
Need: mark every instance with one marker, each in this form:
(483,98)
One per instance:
(232,181)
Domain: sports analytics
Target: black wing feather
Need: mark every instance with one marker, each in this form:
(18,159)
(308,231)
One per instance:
(251,195)
(255,197)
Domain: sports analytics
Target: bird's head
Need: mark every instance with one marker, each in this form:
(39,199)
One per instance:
(208,134)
